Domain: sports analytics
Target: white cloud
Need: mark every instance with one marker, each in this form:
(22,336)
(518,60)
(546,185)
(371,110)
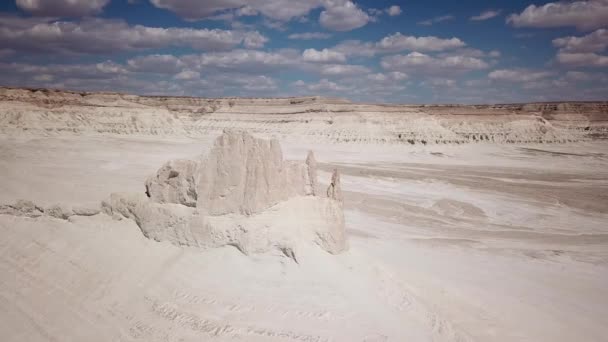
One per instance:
(323,56)
(417,62)
(356,48)
(285,10)
(343,16)
(191,9)
(584,15)
(309,35)
(518,75)
(389,77)
(254,40)
(393,10)
(580,76)
(340,70)
(281,10)
(397,76)
(245,61)
(588,59)
(106,36)
(84,71)
(187,75)
(436,20)
(162,64)
(486,15)
(62,8)
(246,11)
(257,83)
(494,53)
(399,42)
(439,83)
(593,42)
(325,85)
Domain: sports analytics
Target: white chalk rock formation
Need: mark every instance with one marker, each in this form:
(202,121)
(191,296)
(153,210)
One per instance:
(242,194)
(58,211)
(174,183)
(22,208)
(246,175)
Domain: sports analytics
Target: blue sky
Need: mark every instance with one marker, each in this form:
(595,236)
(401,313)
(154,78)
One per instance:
(374,51)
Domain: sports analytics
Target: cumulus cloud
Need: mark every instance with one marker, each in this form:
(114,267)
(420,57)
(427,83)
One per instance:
(343,16)
(389,77)
(187,75)
(245,61)
(593,42)
(309,36)
(436,20)
(162,64)
(417,62)
(341,70)
(325,85)
(393,10)
(588,59)
(356,48)
(581,76)
(191,9)
(337,15)
(62,8)
(584,15)
(323,56)
(282,10)
(83,71)
(439,83)
(399,42)
(494,53)
(486,15)
(106,36)
(518,75)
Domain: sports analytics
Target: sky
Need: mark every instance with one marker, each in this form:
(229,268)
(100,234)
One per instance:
(433,51)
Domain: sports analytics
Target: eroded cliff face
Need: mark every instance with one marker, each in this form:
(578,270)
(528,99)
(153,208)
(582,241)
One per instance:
(46,112)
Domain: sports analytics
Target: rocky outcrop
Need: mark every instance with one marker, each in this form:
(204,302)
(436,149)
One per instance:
(22,208)
(245,175)
(58,211)
(174,183)
(243,194)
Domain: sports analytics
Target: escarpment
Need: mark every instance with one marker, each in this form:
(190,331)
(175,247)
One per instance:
(310,119)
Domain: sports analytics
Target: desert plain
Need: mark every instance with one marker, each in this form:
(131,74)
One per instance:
(464,223)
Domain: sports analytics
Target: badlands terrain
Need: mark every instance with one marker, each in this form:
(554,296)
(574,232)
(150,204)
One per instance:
(441,223)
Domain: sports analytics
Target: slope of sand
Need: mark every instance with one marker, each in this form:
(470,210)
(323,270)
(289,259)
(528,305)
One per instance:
(473,242)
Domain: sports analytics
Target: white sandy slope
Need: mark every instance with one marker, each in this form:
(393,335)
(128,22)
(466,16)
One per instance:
(447,243)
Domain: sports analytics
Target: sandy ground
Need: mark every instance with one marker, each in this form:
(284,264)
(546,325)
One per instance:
(448,243)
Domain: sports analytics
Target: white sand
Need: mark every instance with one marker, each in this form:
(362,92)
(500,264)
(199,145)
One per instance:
(480,243)
(448,241)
